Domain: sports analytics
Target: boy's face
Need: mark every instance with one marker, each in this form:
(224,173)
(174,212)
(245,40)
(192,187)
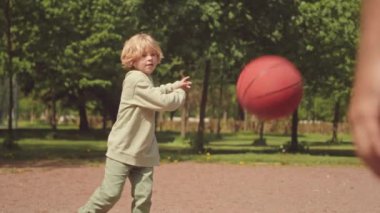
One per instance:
(147,62)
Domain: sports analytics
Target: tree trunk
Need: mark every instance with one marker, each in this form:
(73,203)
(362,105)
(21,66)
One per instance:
(197,145)
(261,141)
(171,115)
(83,122)
(3,98)
(32,116)
(8,142)
(106,109)
(294,138)
(184,118)
(53,115)
(112,109)
(336,121)
(261,130)
(246,120)
(220,108)
(240,118)
(104,117)
(15,102)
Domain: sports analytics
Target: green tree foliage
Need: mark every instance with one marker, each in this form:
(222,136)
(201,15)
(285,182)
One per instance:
(67,52)
(330,35)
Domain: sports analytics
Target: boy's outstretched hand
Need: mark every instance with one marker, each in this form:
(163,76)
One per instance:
(185,83)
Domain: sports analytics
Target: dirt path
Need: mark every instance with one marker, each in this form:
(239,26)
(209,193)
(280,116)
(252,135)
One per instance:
(201,188)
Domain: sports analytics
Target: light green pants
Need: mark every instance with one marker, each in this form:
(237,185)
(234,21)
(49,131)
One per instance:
(109,192)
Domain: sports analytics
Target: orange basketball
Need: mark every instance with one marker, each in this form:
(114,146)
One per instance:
(269,87)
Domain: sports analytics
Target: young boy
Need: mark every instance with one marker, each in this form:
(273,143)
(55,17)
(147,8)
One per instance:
(132,147)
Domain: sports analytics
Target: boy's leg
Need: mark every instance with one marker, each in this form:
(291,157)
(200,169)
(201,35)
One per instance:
(142,183)
(110,191)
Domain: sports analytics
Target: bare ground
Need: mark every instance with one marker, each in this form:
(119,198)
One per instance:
(199,188)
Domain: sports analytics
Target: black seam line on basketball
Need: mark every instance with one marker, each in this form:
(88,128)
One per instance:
(257,77)
(277,91)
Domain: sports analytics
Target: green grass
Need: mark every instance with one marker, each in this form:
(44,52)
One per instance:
(71,146)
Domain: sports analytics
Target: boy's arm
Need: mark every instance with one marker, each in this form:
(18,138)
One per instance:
(184,83)
(144,95)
(170,87)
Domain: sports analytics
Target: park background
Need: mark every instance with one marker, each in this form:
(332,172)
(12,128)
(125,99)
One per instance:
(60,77)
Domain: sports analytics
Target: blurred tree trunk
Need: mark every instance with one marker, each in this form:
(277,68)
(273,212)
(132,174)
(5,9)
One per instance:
(198,143)
(241,117)
(171,115)
(83,122)
(103,109)
(261,141)
(220,108)
(336,121)
(261,133)
(184,112)
(294,138)
(53,114)
(104,118)
(8,142)
(246,120)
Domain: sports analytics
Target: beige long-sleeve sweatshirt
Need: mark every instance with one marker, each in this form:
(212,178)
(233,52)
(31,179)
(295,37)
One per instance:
(132,139)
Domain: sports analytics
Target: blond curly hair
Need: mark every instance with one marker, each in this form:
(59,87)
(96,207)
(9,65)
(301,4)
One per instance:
(136,46)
